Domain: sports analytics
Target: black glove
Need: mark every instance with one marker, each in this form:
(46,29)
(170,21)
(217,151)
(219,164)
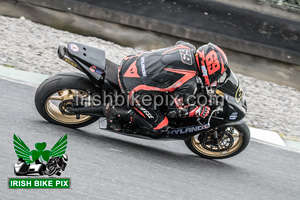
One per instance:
(202,111)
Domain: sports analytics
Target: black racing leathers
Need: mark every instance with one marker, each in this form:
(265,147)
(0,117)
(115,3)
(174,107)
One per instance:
(170,70)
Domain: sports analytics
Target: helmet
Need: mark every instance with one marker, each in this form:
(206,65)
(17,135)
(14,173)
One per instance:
(212,62)
(64,157)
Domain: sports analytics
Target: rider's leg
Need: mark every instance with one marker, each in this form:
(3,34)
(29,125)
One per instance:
(114,114)
(151,122)
(150,119)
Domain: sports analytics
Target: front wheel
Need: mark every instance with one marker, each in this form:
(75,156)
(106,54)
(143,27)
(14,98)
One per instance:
(231,141)
(62,88)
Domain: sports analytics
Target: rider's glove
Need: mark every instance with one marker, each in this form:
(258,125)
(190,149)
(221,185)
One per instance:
(202,111)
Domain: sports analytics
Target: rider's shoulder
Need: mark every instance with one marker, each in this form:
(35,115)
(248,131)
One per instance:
(186,44)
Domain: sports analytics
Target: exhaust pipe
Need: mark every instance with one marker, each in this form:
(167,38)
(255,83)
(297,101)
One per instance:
(93,111)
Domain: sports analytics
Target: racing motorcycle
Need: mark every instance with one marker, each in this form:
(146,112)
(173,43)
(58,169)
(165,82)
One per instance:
(64,99)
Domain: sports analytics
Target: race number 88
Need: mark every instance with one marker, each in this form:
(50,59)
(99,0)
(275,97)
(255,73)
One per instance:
(212,62)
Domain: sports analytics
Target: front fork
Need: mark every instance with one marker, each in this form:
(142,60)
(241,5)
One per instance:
(215,134)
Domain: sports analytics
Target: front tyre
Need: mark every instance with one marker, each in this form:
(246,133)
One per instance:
(235,139)
(63,88)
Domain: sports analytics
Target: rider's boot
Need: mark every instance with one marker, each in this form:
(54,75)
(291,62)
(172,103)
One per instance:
(114,114)
(147,128)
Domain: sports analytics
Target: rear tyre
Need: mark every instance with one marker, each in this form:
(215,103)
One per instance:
(238,135)
(63,87)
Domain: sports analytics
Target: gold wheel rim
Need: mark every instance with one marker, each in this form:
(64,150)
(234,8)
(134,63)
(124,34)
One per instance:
(52,109)
(238,141)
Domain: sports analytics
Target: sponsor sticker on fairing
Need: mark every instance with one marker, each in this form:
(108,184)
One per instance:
(73,47)
(233,116)
(186,130)
(96,70)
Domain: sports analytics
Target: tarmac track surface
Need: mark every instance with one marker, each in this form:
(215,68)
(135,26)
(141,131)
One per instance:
(104,165)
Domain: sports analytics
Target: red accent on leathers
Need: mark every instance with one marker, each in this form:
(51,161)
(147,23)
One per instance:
(192,112)
(197,61)
(132,71)
(129,57)
(140,112)
(188,74)
(164,123)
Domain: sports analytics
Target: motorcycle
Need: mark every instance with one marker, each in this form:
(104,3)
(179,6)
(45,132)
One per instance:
(222,135)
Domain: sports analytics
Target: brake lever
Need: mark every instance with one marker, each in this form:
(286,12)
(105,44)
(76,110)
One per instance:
(218,109)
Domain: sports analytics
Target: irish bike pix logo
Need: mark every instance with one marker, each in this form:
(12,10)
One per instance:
(40,162)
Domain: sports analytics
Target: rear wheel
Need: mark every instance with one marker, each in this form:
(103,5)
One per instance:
(232,140)
(56,94)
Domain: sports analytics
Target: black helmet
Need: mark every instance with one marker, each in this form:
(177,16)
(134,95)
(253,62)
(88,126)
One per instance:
(212,62)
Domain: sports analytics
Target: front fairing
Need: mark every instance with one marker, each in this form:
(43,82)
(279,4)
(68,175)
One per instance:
(234,99)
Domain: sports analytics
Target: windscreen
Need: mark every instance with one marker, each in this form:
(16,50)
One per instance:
(228,83)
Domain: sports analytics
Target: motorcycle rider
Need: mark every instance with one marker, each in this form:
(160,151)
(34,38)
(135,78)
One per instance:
(59,163)
(181,70)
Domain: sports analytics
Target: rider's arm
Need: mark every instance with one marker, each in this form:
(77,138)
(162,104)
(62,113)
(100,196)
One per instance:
(183,100)
(179,109)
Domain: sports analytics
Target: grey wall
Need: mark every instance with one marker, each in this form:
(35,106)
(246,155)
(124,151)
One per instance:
(245,27)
